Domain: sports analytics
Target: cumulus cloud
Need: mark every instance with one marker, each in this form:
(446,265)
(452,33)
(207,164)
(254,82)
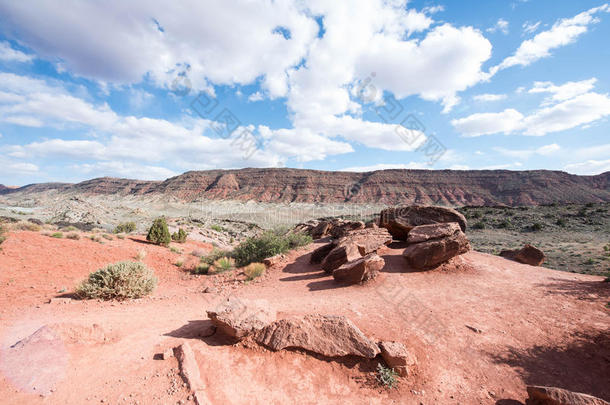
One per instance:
(546,150)
(489,97)
(569,106)
(530,27)
(501,26)
(563,32)
(7,53)
(589,167)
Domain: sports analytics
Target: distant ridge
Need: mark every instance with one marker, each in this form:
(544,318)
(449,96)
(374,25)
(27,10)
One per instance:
(391,187)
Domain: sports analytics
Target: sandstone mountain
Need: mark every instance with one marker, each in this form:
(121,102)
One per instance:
(391,187)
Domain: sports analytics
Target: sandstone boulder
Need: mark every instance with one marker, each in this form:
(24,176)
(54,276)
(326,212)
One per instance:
(528,254)
(359,270)
(433,252)
(436,231)
(321,230)
(273,260)
(399,221)
(239,317)
(342,228)
(339,255)
(557,396)
(320,253)
(328,335)
(397,356)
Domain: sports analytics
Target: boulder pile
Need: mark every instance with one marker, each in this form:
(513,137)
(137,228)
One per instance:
(240,317)
(325,227)
(400,220)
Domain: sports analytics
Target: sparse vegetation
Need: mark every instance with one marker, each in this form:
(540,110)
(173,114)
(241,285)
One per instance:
(216,228)
(175,250)
(107,237)
(57,235)
(268,244)
(159,233)
(214,255)
(386,376)
(2,234)
(479,225)
(224,264)
(202,268)
(179,236)
(537,227)
(179,263)
(141,255)
(254,270)
(73,236)
(120,281)
(125,227)
(27,226)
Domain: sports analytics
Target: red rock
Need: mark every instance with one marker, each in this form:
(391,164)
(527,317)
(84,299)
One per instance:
(189,369)
(399,221)
(397,356)
(356,244)
(320,253)
(557,396)
(423,233)
(359,270)
(528,254)
(321,230)
(239,317)
(328,335)
(346,252)
(432,253)
(341,229)
(273,260)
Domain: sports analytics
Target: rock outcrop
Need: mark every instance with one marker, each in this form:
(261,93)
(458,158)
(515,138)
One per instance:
(557,396)
(528,254)
(399,221)
(359,270)
(328,335)
(436,245)
(355,245)
(397,356)
(239,317)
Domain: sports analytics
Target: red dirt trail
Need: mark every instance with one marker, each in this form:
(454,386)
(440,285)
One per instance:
(481,327)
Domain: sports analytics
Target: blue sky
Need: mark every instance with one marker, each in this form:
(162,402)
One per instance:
(151,89)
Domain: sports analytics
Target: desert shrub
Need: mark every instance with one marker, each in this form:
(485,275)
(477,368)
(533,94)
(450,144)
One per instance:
(254,270)
(269,243)
(202,268)
(214,255)
(561,222)
(217,228)
(125,227)
(73,236)
(504,224)
(27,226)
(96,238)
(536,227)
(179,236)
(589,262)
(57,235)
(476,215)
(70,228)
(386,376)
(120,280)
(224,264)
(107,237)
(478,225)
(141,255)
(175,250)
(179,263)
(158,232)
(2,234)
(119,236)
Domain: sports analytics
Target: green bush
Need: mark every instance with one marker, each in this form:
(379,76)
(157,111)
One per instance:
(107,237)
(561,222)
(254,270)
(386,376)
(158,232)
(179,236)
(269,243)
(537,227)
(214,255)
(57,235)
(120,281)
(504,224)
(125,227)
(224,264)
(202,268)
(2,234)
(217,228)
(479,225)
(73,236)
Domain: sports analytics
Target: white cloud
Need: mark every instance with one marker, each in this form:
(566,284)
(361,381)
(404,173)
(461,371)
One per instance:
(501,25)
(434,9)
(7,53)
(530,27)
(563,32)
(387,166)
(566,91)
(479,124)
(489,97)
(125,169)
(569,114)
(589,167)
(546,150)
(257,96)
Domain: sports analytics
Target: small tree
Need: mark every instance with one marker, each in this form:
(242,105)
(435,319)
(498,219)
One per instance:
(158,232)
(179,236)
(125,227)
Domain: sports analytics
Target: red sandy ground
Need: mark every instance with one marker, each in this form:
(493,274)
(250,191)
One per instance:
(532,326)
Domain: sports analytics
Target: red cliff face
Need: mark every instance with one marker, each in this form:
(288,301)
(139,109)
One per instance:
(391,187)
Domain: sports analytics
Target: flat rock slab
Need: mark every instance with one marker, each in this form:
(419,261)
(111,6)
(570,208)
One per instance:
(238,317)
(432,253)
(400,220)
(328,335)
(539,395)
(359,270)
(423,233)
